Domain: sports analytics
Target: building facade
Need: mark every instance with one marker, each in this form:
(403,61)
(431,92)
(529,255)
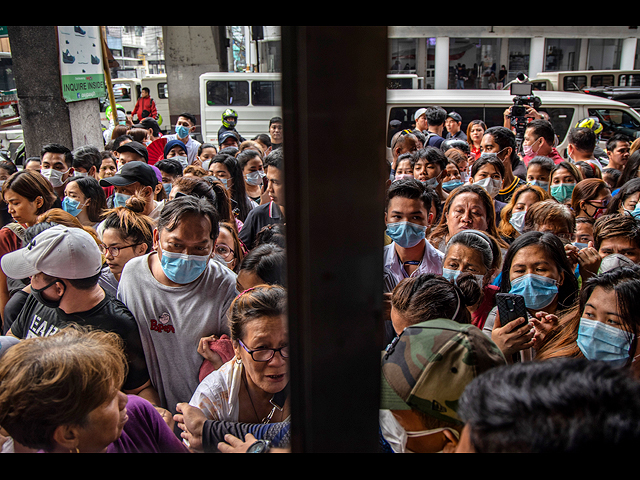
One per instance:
(474,56)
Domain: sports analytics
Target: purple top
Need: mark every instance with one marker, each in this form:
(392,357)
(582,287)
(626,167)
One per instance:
(146,431)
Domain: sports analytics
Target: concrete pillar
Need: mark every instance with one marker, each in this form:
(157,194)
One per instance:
(190,51)
(628,55)
(334,282)
(442,63)
(536,56)
(45,116)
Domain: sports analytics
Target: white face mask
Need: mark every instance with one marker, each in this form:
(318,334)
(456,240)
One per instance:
(393,432)
(54,176)
(491,185)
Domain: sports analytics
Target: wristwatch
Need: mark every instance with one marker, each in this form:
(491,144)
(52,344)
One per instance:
(260,446)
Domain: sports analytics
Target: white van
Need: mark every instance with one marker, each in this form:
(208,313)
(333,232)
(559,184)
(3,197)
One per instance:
(565,110)
(576,80)
(256,97)
(126,92)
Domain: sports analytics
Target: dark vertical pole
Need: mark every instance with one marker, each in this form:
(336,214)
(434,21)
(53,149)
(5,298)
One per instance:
(334,104)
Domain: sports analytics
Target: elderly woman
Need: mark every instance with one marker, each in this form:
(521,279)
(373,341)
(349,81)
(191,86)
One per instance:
(62,394)
(467,207)
(475,253)
(243,388)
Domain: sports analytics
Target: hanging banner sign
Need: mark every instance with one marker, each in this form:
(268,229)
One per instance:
(81,70)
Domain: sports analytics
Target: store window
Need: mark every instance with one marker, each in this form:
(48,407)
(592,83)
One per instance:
(519,49)
(474,63)
(562,54)
(604,54)
(403,55)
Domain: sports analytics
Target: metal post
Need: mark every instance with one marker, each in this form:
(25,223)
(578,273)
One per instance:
(334,104)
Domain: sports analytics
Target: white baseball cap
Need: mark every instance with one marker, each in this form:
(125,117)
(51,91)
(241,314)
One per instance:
(59,251)
(420,111)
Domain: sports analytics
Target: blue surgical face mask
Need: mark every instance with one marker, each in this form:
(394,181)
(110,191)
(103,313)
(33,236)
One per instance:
(182,132)
(580,245)
(167,188)
(451,185)
(517,220)
(71,206)
(562,192)
(120,199)
(540,183)
(599,341)
(538,291)
(406,234)
(182,268)
(635,213)
(184,161)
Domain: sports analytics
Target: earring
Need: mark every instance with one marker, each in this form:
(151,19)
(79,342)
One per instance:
(238,361)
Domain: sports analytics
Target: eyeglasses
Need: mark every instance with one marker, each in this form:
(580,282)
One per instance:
(224,251)
(265,354)
(114,251)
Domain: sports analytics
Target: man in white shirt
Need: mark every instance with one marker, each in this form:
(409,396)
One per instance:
(185,126)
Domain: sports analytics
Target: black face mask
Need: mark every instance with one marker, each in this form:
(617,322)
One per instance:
(37,293)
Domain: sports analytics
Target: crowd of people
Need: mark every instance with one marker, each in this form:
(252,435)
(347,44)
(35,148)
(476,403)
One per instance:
(143,292)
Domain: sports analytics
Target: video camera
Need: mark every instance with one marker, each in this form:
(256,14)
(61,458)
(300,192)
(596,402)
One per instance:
(522,98)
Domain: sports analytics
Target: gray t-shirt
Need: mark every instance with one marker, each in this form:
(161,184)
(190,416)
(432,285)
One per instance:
(172,320)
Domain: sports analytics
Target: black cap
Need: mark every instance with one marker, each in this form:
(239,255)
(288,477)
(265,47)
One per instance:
(132,172)
(135,147)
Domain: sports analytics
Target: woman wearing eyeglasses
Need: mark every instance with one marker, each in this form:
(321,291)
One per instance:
(127,233)
(250,388)
(228,246)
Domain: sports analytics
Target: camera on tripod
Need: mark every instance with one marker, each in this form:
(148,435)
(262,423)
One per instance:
(522,98)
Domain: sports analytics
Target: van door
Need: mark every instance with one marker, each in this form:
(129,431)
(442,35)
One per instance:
(616,121)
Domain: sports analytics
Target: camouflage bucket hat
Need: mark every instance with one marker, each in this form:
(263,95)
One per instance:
(431,363)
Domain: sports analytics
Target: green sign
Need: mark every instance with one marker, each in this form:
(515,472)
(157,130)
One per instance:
(82,87)
(81,69)
(4,31)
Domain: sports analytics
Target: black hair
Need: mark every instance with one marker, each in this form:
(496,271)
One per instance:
(546,163)
(542,128)
(146,89)
(628,189)
(86,157)
(563,405)
(245,156)
(409,188)
(60,149)
(488,159)
(612,143)
(435,116)
(584,139)
(238,190)
(170,166)
(91,189)
(505,138)
(554,251)
(174,210)
(432,155)
(631,169)
(275,158)
(189,116)
(10,167)
(268,261)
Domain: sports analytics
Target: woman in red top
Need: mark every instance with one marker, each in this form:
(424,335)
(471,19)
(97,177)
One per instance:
(475,132)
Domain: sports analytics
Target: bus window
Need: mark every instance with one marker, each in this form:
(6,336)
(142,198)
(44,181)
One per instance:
(574,83)
(602,81)
(615,121)
(163,90)
(265,93)
(227,93)
(629,80)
